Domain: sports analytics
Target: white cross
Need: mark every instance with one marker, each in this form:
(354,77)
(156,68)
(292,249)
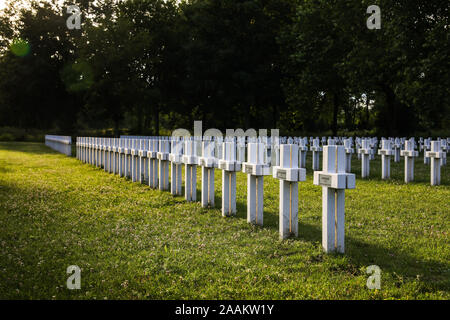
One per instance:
(334,180)
(289,174)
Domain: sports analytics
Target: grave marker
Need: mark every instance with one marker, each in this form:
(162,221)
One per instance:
(386,152)
(409,155)
(152,155)
(255,170)
(289,174)
(435,154)
(190,160)
(207,161)
(229,167)
(426,147)
(365,151)
(348,155)
(397,146)
(176,163)
(302,151)
(163,158)
(334,180)
(316,149)
(143,165)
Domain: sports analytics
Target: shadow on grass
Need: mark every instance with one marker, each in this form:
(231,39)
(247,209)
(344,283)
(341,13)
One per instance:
(28,147)
(394,260)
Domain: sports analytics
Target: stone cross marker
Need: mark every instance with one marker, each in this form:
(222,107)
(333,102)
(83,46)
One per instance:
(255,170)
(111,164)
(365,151)
(426,147)
(289,174)
(302,151)
(397,147)
(106,154)
(409,155)
(90,156)
(163,157)
(435,155)
(386,152)
(175,158)
(316,149)
(121,157)
(240,156)
(134,160)
(152,155)
(207,161)
(444,151)
(98,147)
(95,152)
(143,161)
(190,160)
(334,180)
(127,162)
(373,143)
(348,155)
(229,166)
(275,151)
(115,157)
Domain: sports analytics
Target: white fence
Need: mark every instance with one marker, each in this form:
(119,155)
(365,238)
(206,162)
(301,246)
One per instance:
(61,144)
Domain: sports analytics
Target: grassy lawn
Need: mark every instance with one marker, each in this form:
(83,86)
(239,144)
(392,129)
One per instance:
(133,242)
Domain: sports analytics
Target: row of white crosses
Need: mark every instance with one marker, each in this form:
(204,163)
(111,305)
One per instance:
(140,162)
(62,144)
(147,161)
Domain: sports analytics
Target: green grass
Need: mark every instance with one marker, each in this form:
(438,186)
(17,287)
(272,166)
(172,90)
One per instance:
(133,242)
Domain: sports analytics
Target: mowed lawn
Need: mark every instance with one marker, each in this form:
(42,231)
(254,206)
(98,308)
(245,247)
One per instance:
(132,242)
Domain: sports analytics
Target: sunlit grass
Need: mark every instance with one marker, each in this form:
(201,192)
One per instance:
(133,242)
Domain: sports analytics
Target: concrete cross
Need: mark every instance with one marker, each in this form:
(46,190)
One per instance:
(208,161)
(365,151)
(386,152)
(316,149)
(289,174)
(176,163)
(409,153)
(348,154)
(229,167)
(152,155)
(163,158)
(255,170)
(190,160)
(334,180)
(435,155)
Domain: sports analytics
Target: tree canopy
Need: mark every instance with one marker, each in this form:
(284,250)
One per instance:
(150,66)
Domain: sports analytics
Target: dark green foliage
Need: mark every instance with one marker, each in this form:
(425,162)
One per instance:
(150,66)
